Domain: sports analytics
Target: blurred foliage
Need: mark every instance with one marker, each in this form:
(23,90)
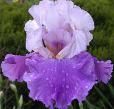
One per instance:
(12,40)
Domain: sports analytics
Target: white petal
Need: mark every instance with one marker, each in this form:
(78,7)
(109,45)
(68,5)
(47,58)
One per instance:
(31,25)
(45,52)
(53,19)
(34,35)
(76,46)
(64,53)
(39,12)
(34,40)
(63,7)
(81,19)
(46,14)
(89,37)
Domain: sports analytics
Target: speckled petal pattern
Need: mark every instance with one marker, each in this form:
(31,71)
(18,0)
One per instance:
(62,81)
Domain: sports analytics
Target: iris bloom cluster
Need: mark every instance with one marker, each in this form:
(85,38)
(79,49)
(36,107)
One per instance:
(58,68)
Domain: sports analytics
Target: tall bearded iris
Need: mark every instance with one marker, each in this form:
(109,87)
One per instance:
(58,68)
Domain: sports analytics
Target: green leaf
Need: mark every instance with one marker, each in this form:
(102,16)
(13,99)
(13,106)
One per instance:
(20,102)
(103,97)
(91,106)
(111,89)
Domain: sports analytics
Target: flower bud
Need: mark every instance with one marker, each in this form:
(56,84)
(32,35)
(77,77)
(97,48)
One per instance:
(1,94)
(13,88)
(21,101)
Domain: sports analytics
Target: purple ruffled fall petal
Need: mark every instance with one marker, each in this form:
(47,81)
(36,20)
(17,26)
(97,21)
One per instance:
(55,81)
(61,81)
(103,70)
(13,67)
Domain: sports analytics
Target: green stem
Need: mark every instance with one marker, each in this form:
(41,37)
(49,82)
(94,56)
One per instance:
(81,105)
(1,98)
(0,104)
(17,98)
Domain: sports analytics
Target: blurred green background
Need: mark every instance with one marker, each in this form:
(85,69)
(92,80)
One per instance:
(12,40)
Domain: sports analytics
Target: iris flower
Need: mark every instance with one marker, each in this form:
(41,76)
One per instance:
(58,68)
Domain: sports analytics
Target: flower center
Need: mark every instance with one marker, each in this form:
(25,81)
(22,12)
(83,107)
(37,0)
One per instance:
(55,40)
(55,47)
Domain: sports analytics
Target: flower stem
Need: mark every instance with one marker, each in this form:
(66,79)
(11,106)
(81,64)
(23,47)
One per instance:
(81,105)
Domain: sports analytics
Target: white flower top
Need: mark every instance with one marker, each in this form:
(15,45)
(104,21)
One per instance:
(59,29)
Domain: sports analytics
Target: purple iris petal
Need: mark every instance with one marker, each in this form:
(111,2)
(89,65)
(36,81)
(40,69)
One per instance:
(55,81)
(103,70)
(13,67)
(62,81)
